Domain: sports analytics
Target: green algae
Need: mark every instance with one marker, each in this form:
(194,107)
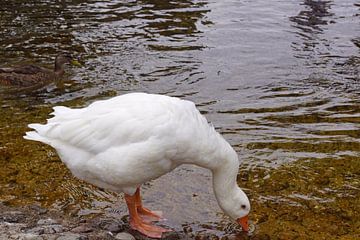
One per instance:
(307,199)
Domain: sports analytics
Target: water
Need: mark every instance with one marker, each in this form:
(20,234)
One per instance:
(279,79)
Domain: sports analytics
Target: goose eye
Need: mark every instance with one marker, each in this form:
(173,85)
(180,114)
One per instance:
(243,206)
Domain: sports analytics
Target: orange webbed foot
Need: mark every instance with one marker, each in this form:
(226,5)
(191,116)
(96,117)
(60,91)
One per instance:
(141,217)
(148,230)
(150,216)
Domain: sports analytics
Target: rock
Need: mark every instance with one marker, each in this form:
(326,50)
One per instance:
(32,237)
(8,229)
(54,229)
(124,236)
(82,229)
(206,237)
(235,237)
(13,217)
(25,236)
(46,229)
(48,221)
(173,235)
(36,230)
(187,229)
(114,227)
(102,236)
(38,209)
(71,236)
(109,225)
(50,236)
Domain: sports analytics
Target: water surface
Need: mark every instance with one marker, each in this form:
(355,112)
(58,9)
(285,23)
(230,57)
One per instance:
(279,79)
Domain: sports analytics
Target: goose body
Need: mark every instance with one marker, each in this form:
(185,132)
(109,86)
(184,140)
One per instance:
(120,143)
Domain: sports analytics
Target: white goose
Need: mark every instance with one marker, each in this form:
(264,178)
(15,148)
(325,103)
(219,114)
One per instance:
(122,142)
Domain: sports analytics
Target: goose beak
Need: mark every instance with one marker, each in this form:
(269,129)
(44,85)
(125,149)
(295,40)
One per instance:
(243,221)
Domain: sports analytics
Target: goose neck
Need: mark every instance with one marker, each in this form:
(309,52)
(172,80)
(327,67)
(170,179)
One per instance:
(224,177)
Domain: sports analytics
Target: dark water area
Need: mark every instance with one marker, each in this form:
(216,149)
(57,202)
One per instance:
(279,80)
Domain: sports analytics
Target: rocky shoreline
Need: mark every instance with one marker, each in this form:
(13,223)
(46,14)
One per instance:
(33,222)
(36,223)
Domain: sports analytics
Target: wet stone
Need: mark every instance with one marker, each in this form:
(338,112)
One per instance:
(235,237)
(102,236)
(39,209)
(124,236)
(187,229)
(174,236)
(48,221)
(82,229)
(102,223)
(113,227)
(54,229)
(50,236)
(71,236)
(26,236)
(206,237)
(34,237)
(36,230)
(13,217)
(109,225)
(47,229)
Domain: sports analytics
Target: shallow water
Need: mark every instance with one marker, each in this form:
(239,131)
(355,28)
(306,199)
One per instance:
(280,81)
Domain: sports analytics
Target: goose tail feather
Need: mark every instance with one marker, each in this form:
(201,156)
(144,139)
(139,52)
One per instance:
(36,135)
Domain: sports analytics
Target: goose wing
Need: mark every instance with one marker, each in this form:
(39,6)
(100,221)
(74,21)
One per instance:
(115,122)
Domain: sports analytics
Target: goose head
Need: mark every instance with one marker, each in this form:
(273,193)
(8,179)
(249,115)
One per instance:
(237,207)
(230,197)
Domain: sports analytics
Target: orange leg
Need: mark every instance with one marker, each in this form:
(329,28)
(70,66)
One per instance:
(145,213)
(137,223)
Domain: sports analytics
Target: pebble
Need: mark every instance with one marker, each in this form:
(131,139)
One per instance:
(234,237)
(82,229)
(113,227)
(187,229)
(71,236)
(13,217)
(26,236)
(48,229)
(206,237)
(54,229)
(48,221)
(38,209)
(175,236)
(124,236)
(36,230)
